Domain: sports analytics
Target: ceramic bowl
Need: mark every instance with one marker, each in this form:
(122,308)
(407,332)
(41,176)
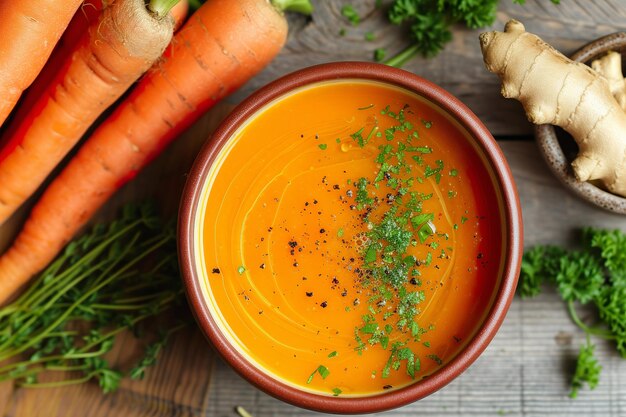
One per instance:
(512,237)
(559,149)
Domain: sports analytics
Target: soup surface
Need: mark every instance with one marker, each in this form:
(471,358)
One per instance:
(351,238)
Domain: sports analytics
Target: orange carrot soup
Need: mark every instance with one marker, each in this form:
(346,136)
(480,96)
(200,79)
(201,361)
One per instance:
(352,238)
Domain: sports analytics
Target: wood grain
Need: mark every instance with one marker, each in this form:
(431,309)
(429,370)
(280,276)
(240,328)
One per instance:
(525,370)
(459,68)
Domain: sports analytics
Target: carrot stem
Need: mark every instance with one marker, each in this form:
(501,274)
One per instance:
(161,7)
(299,6)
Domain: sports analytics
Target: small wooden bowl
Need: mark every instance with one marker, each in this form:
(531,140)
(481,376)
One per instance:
(558,150)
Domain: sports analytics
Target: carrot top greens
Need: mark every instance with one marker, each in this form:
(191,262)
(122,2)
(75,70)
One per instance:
(112,279)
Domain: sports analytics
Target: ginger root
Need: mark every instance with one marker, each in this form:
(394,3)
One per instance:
(554,89)
(610,67)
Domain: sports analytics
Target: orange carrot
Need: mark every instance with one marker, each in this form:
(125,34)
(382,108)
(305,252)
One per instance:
(88,13)
(114,52)
(220,47)
(179,13)
(84,16)
(29,31)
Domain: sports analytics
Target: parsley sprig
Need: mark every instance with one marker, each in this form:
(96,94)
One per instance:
(594,275)
(114,278)
(430,21)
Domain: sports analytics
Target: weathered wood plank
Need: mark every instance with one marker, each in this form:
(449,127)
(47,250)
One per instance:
(526,369)
(180,382)
(459,68)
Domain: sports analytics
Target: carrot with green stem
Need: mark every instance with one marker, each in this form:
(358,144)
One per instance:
(29,31)
(114,52)
(86,15)
(221,46)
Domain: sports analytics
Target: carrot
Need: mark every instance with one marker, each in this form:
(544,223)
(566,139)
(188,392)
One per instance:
(115,51)
(220,47)
(29,31)
(84,16)
(88,13)
(179,13)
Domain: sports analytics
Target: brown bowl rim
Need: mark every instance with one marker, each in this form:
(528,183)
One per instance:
(551,150)
(513,237)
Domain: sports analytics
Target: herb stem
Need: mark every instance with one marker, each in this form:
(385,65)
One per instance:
(63,383)
(601,333)
(403,57)
(63,317)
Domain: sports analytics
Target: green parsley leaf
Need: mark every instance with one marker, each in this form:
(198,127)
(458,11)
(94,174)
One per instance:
(350,13)
(420,219)
(379,54)
(322,370)
(587,369)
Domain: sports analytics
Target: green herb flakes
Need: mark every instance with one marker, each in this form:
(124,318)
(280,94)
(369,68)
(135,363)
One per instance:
(435,358)
(322,146)
(379,54)
(322,370)
(351,14)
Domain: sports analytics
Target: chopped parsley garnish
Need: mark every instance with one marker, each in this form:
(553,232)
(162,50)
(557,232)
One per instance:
(336,392)
(241,269)
(358,137)
(322,370)
(395,222)
(425,232)
(332,354)
(435,358)
(322,146)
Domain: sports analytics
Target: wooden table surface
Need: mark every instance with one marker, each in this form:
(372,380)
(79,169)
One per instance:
(526,369)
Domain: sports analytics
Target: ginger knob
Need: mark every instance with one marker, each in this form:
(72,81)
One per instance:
(556,90)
